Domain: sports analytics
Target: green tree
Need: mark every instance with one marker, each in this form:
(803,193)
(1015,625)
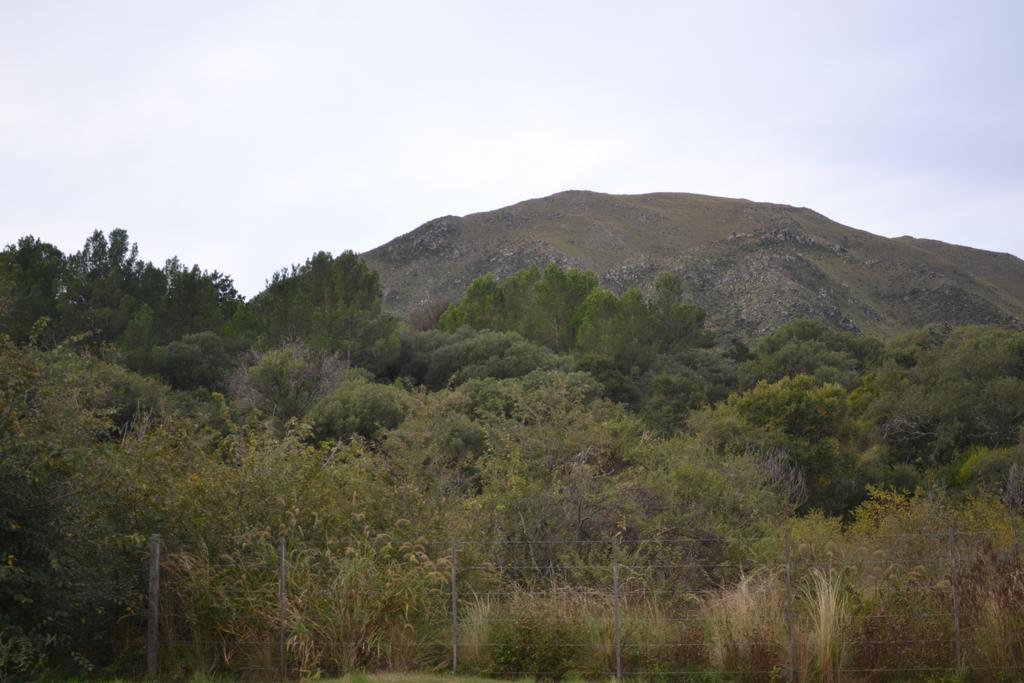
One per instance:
(437,360)
(286,382)
(194,301)
(361,407)
(552,317)
(941,391)
(194,361)
(492,305)
(674,325)
(617,327)
(33,271)
(333,304)
(810,347)
(99,297)
(64,590)
(811,423)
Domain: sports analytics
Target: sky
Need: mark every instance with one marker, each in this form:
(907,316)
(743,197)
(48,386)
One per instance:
(245,136)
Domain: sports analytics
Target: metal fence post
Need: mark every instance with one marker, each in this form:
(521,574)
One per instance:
(282,606)
(1016,537)
(954,580)
(790,649)
(455,607)
(153,615)
(618,608)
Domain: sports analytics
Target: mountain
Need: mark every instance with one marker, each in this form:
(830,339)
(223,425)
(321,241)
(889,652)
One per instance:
(751,265)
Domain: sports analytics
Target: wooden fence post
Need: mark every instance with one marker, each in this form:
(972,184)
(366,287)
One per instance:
(790,647)
(455,607)
(153,614)
(954,580)
(282,607)
(618,608)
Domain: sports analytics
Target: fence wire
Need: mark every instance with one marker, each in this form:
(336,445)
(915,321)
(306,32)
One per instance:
(685,607)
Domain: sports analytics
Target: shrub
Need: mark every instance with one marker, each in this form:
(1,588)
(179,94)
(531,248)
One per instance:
(532,639)
(361,407)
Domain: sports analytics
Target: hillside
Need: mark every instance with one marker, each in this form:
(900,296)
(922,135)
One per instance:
(752,265)
(545,435)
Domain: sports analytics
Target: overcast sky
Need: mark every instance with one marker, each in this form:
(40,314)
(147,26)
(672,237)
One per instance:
(245,136)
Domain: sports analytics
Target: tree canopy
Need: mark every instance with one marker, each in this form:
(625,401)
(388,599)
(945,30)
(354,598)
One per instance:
(543,407)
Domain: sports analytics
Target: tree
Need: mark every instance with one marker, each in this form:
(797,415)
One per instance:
(493,305)
(194,361)
(32,271)
(552,317)
(437,360)
(810,347)
(99,297)
(674,325)
(941,391)
(359,407)
(812,423)
(335,305)
(286,382)
(67,577)
(195,301)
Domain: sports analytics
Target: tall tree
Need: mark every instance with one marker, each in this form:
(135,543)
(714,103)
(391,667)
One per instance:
(335,304)
(31,271)
(553,315)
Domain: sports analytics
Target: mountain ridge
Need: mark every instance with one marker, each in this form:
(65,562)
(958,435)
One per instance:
(751,265)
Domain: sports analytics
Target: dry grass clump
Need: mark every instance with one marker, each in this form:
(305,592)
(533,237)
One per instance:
(475,628)
(992,586)
(745,626)
(826,626)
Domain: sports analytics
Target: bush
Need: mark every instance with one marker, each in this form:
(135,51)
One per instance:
(535,639)
(285,382)
(195,360)
(359,406)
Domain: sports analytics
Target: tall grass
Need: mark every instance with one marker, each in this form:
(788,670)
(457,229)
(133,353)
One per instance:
(745,628)
(476,634)
(826,626)
(565,631)
(385,606)
(745,625)
(371,606)
(993,608)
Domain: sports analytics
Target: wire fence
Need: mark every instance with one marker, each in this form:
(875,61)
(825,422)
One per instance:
(915,606)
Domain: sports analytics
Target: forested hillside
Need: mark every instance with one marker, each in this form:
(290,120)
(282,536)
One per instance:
(534,415)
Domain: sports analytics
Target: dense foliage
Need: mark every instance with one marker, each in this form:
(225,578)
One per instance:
(543,410)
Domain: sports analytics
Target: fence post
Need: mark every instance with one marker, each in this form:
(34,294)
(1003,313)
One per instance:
(455,607)
(282,606)
(618,608)
(954,580)
(153,615)
(790,649)
(1016,537)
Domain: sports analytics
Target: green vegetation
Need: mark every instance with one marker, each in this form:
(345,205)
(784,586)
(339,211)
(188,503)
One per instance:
(541,417)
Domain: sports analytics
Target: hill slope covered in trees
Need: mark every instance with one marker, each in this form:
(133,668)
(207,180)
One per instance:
(538,417)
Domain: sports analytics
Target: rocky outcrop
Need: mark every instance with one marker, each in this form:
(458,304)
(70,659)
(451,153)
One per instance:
(751,266)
